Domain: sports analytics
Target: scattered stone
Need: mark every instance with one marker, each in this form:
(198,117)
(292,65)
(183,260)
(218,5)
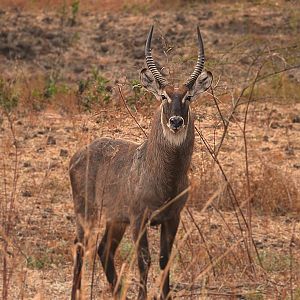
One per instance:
(68,129)
(51,140)
(289,150)
(49,210)
(296,119)
(63,153)
(138,53)
(275,125)
(78,69)
(53,165)
(265,138)
(26,193)
(104,48)
(259,244)
(26,164)
(214,226)
(297,166)
(69,217)
(40,150)
(180,18)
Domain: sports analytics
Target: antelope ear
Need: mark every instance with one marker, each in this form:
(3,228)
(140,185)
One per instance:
(202,83)
(149,83)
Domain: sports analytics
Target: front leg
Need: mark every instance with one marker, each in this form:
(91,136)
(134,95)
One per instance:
(143,256)
(168,233)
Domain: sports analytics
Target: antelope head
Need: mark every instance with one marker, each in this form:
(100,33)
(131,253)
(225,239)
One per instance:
(175,100)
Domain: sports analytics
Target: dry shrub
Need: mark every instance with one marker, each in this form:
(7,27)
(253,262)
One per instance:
(274,191)
(205,181)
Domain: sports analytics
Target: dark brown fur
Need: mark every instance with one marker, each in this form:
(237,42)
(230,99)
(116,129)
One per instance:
(130,182)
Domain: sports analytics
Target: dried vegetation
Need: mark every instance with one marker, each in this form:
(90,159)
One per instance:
(62,65)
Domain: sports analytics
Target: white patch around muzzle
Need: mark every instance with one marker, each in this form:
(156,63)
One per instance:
(175,138)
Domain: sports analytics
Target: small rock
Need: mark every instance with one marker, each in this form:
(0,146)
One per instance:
(259,244)
(26,193)
(289,150)
(297,166)
(48,210)
(265,138)
(51,140)
(63,153)
(296,119)
(69,217)
(274,125)
(214,226)
(53,165)
(26,164)
(68,129)
(138,53)
(40,150)
(180,18)
(265,149)
(78,69)
(104,48)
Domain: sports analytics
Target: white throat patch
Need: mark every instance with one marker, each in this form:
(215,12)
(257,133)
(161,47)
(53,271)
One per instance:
(175,139)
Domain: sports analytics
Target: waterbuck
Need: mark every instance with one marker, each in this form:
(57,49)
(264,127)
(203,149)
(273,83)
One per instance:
(139,184)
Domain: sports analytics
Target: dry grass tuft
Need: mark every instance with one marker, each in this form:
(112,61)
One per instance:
(275,192)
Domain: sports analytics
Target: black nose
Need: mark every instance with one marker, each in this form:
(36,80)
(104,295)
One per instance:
(176,122)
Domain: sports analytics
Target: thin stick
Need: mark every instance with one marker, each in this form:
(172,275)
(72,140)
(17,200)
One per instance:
(249,208)
(232,196)
(132,116)
(204,241)
(93,270)
(291,261)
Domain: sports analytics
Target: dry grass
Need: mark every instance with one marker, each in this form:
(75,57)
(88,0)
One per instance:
(222,250)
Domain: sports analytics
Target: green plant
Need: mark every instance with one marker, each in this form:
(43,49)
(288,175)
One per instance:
(255,295)
(74,11)
(8,96)
(136,8)
(37,263)
(136,94)
(94,89)
(50,88)
(273,261)
(126,249)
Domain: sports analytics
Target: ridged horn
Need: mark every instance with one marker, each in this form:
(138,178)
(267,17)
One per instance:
(200,62)
(150,61)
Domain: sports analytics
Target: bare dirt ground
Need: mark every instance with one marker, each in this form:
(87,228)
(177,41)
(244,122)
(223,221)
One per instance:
(63,63)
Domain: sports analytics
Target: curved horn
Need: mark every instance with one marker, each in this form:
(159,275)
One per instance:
(200,62)
(150,62)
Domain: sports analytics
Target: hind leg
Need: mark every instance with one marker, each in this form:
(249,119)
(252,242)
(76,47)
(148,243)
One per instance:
(78,263)
(107,249)
(143,256)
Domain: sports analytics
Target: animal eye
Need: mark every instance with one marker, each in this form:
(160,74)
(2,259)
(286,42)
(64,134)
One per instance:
(188,98)
(163,97)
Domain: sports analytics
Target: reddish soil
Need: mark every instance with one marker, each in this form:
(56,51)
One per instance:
(36,44)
